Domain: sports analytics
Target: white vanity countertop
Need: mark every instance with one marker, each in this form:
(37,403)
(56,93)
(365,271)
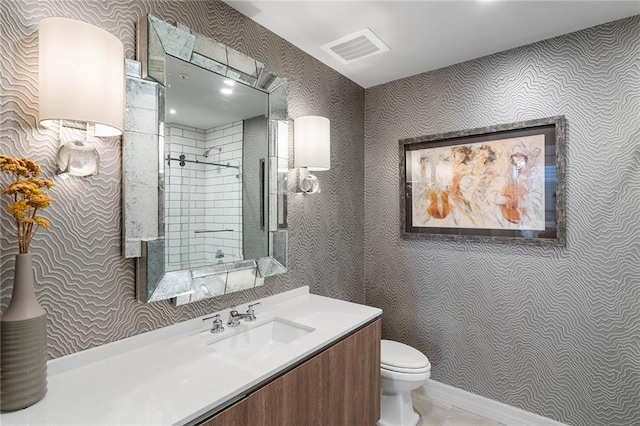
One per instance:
(172,375)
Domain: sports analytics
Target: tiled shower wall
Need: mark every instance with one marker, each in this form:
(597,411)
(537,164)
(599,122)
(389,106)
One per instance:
(83,281)
(201,198)
(185,194)
(225,201)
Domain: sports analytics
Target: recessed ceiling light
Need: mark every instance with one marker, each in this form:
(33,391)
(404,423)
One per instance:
(229,82)
(226,91)
(172,111)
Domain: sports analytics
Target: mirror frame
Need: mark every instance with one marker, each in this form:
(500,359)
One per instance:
(144,174)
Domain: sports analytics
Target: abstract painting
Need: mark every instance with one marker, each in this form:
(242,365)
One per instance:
(500,183)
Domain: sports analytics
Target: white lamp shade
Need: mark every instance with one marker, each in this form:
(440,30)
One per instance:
(312,139)
(81,75)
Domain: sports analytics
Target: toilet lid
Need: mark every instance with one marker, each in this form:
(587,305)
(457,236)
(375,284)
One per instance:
(397,356)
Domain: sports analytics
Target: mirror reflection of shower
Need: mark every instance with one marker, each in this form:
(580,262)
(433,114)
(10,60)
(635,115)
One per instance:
(203,194)
(206,193)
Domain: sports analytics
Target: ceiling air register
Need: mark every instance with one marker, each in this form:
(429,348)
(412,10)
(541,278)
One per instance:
(359,45)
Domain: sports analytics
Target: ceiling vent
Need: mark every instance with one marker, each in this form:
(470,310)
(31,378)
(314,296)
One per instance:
(361,44)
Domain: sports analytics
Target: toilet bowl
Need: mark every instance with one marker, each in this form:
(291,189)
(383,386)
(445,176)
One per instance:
(402,369)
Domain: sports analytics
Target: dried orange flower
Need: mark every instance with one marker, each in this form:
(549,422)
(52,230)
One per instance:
(42,222)
(18,208)
(40,201)
(28,197)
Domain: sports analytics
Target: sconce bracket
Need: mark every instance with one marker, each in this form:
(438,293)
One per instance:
(307,183)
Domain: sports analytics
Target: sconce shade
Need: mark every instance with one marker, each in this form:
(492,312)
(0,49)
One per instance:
(312,139)
(81,75)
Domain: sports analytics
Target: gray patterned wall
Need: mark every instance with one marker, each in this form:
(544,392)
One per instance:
(555,331)
(83,282)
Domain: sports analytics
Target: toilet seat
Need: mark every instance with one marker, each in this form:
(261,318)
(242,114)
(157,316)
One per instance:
(406,370)
(403,378)
(401,358)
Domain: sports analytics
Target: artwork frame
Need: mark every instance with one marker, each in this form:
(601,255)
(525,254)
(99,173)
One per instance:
(498,184)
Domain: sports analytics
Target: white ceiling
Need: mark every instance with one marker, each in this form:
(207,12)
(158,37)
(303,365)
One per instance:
(198,102)
(426,35)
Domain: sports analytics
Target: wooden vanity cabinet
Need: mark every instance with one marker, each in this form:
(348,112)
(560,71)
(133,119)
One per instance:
(340,386)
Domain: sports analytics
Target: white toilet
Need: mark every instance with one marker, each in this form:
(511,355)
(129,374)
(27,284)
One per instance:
(403,369)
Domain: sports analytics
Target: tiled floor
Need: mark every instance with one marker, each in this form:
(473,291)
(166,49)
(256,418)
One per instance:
(436,414)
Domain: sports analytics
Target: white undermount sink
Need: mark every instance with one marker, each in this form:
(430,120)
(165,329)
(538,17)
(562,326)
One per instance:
(261,340)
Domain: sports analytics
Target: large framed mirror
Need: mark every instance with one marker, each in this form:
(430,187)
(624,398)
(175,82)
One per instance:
(204,167)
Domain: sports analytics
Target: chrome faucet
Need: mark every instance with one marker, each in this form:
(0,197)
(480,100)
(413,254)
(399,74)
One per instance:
(217,326)
(235,317)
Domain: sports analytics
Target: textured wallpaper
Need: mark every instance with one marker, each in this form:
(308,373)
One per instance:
(83,282)
(555,331)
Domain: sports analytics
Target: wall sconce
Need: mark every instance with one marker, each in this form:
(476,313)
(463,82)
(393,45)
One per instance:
(312,139)
(81,81)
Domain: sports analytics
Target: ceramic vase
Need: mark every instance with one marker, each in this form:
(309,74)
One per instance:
(23,343)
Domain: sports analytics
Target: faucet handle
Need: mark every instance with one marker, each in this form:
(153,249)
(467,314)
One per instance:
(250,307)
(251,314)
(216,326)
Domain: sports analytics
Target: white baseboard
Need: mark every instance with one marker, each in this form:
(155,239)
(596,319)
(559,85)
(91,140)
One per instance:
(484,407)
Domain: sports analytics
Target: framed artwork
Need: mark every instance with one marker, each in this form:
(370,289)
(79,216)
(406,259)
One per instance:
(501,183)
